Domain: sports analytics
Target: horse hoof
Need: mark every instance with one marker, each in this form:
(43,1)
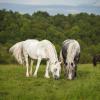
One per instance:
(47,76)
(30,74)
(34,75)
(27,75)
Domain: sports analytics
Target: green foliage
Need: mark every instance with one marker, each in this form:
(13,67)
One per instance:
(15,27)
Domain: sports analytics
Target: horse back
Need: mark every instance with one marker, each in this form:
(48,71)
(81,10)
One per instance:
(68,47)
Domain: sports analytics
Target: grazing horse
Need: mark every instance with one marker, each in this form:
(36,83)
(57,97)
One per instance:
(96,58)
(69,55)
(38,50)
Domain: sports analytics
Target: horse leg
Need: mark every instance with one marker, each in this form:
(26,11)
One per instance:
(37,67)
(65,71)
(31,66)
(27,65)
(47,70)
(75,70)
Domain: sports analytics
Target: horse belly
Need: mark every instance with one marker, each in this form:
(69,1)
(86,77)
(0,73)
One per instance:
(41,53)
(31,51)
(35,54)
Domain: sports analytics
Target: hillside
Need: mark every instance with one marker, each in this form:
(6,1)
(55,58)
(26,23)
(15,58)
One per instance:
(15,27)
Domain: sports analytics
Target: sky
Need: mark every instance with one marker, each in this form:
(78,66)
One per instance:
(54,2)
(59,6)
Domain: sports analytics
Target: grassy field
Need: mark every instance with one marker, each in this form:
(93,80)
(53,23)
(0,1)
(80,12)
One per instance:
(15,86)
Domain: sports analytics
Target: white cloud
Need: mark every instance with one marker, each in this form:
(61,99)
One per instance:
(38,2)
(54,2)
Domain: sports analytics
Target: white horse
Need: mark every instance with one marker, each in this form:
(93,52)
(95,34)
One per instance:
(69,55)
(37,50)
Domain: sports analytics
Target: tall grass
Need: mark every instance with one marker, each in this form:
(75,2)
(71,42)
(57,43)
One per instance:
(15,86)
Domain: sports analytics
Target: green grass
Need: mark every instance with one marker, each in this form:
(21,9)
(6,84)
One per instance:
(15,86)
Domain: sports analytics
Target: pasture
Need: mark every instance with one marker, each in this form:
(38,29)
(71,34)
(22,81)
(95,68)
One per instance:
(15,86)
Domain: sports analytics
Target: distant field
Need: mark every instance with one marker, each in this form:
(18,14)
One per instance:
(15,86)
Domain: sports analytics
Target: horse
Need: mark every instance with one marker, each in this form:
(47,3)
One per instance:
(96,58)
(69,56)
(37,50)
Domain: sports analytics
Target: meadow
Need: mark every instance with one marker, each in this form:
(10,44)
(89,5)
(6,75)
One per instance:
(15,86)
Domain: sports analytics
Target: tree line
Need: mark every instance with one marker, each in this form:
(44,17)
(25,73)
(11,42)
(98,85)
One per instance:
(83,27)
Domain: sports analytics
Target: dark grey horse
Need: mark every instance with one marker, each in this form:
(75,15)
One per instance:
(69,55)
(96,58)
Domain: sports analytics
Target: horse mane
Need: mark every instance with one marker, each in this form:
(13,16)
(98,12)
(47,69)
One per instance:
(67,49)
(64,53)
(16,51)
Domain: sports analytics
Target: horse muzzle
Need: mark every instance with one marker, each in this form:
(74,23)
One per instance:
(56,77)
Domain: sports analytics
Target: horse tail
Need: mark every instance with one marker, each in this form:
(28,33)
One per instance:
(17,52)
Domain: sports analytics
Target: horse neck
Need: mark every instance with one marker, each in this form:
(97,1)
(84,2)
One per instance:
(52,54)
(71,54)
(70,58)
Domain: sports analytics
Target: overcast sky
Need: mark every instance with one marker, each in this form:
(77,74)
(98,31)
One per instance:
(54,2)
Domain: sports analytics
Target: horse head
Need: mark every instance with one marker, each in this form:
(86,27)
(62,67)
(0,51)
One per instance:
(70,68)
(55,69)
